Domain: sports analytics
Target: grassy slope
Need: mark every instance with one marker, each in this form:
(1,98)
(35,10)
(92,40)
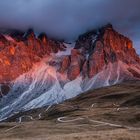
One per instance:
(117,104)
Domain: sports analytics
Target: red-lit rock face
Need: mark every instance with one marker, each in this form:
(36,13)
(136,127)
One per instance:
(18,57)
(118,47)
(76,62)
(15,59)
(107,47)
(65,64)
(92,52)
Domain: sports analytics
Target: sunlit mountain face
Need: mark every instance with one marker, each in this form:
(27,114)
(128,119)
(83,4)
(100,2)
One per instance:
(37,71)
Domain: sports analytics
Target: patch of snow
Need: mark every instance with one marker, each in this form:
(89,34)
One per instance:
(69,47)
(88,83)
(118,74)
(94,38)
(109,75)
(56,94)
(9,38)
(87,56)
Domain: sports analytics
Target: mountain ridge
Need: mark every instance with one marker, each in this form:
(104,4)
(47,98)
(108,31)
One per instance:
(38,71)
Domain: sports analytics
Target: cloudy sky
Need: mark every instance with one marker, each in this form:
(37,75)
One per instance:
(69,18)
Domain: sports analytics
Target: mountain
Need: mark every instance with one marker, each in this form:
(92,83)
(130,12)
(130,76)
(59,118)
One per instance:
(125,95)
(18,55)
(37,71)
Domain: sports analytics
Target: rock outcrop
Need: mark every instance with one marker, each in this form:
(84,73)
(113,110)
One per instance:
(93,51)
(76,62)
(17,56)
(96,49)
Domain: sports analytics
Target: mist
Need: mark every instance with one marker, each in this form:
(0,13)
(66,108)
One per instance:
(69,18)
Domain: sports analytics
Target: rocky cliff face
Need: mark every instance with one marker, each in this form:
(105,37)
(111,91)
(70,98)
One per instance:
(96,49)
(18,53)
(92,52)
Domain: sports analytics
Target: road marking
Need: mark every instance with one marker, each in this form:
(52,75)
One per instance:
(20,118)
(60,119)
(100,123)
(116,105)
(92,105)
(12,128)
(106,123)
(48,108)
(40,114)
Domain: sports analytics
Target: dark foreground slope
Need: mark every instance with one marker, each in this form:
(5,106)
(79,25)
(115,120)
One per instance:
(106,113)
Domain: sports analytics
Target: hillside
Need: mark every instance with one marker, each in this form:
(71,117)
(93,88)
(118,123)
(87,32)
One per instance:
(105,113)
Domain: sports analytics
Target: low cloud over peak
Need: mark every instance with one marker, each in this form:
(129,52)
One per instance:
(69,18)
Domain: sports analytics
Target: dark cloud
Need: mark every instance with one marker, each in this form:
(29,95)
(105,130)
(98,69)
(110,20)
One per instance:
(69,18)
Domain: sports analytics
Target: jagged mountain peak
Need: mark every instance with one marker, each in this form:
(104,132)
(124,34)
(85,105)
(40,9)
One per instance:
(108,26)
(30,33)
(43,37)
(2,38)
(102,47)
(93,50)
(43,72)
(97,31)
(107,36)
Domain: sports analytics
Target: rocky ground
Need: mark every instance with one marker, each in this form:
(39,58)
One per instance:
(111,113)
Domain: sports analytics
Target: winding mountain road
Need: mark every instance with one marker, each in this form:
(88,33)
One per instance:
(27,116)
(65,119)
(60,119)
(99,123)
